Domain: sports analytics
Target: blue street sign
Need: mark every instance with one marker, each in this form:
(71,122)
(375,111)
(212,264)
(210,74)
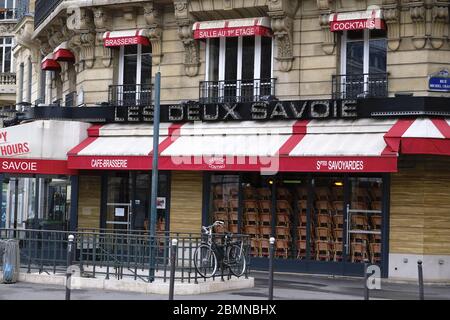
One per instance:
(439,81)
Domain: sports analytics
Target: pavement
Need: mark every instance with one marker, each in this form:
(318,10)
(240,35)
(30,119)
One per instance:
(286,287)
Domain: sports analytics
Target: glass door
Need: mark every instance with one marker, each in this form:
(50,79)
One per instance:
(119,205)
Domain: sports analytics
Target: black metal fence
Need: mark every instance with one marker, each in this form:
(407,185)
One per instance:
(353,86)
(43,9)
(113,254)
(236,90)
(131,95)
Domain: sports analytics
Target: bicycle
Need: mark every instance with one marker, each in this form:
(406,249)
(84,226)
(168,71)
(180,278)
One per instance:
(230,254)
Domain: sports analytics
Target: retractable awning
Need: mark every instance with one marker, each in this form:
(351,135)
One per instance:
(357,20)
(295,146)
(50,64)
(233,28)
(62,53)
(39,147)
(126,38)
(420,136)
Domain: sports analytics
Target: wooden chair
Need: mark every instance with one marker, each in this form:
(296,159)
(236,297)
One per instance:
(251,230)
(255,247)
(265,219)
(284,206)
(251,206)
(220,206)
(222,228)
(221,216)
(358,205)
(282,248)
(360,194)
(283,232)
(234,193)
(376,205)
(338,221)
(302,206)
(337,193)
(233,228)
(250,193)
(251,218)
(338,235)
(338,207)
(302,193)
(233,205)
(265,231)
(376,222)
(302,233)
(338,249)
(375,238)
(359,222)
(358,252)
(264,193)
(265,206)
(324,220)
(323,207)
(284,194)
(323,252)
(218,191)
(233,218)
(376,193)
(264,246)
(301,249)
(302,220)
(283,219)
(360,238)
(323,234)
(323,193)
(375,252)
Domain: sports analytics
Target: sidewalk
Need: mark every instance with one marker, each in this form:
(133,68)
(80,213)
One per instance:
(286,287)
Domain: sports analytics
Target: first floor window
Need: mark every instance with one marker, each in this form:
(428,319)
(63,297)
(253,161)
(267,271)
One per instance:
(7,9)
(238,67)
(6,59)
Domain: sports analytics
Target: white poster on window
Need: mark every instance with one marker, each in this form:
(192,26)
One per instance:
(161,203)
(120,212)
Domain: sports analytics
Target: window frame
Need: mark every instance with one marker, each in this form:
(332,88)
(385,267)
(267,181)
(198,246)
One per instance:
(3,46)
(13,8)
(122,55)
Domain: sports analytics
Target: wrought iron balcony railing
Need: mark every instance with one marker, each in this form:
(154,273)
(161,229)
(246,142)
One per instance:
(7,78)
(43,10)
(236,90)
(131,95)
(71,99)
(353,86)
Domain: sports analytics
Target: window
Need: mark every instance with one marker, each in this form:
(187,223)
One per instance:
(135,75)
(7,9)
(6,58)
(238,67)
(363,63)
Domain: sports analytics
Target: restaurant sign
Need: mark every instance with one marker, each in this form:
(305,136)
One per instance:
(274,110)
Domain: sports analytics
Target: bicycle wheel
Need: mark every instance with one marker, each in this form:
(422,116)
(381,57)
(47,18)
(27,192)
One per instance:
(236,260)
(205,261)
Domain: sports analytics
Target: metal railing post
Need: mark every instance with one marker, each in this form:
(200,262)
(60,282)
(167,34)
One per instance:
(272,244)
(366,287)
(69,263)
(173,257)
(419,267)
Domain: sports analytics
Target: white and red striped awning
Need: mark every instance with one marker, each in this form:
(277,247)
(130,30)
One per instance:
(39,147)
(357,20)
(420,136)
(63,53)
(296,146)
(126,38)
(50,64)
(233,28)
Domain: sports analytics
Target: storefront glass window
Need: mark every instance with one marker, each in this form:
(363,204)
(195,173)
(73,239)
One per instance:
(224,202)
(54,212)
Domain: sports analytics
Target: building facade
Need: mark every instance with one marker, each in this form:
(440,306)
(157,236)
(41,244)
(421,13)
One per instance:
(322,123)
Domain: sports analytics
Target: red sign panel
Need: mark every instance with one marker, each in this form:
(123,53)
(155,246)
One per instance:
(126,41)
(232,32)
(30,166)
(356,24)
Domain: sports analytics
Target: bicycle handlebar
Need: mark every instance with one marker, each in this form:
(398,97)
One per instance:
(208,229)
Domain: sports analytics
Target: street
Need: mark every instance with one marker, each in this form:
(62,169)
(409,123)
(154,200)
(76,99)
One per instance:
(286,287)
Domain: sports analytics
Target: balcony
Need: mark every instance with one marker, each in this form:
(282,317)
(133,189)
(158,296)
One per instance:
(43,10)
(353,86)
(131,95)
(236,90)
(7,79)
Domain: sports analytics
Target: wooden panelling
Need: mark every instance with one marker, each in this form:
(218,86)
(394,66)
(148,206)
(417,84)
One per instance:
(186,202)
(89,202)
(420,208)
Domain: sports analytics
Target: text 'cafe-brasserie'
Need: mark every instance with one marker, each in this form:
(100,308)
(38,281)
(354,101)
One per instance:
(333,189)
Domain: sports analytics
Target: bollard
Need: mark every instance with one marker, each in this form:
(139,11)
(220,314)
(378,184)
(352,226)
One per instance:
(419,267)
(366,287)
(271,253)
(173,258)
(69,263)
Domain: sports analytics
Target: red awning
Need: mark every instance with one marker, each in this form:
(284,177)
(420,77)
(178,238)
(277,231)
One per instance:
(420,136)
(279,146)
(50,64)
(370,19)
(126,38)
(62,53)
(233,28)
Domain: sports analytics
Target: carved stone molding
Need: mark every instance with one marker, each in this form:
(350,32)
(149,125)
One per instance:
(439,22)
(87,52)
(191,46)
(282,13)
(392,19)
(102,22)
(328,38)
(418,17)
(102,19)
(323,4)
(153,18)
